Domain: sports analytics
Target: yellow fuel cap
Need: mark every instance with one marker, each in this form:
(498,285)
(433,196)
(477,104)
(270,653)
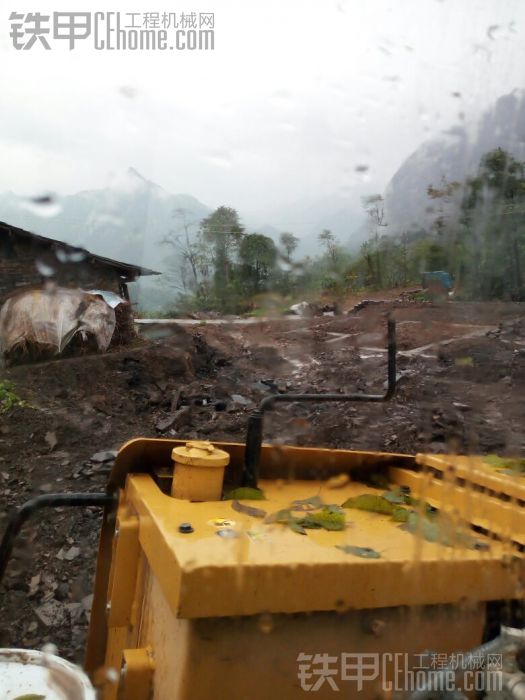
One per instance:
(200,453)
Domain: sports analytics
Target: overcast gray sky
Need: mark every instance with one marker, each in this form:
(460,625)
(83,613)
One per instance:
(295,96)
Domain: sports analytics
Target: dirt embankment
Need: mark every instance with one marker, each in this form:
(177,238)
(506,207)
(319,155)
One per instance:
(461,379)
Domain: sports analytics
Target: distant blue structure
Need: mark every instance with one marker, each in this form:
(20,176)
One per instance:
(437,279)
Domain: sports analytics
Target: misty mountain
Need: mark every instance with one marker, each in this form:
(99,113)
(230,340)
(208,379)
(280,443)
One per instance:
(126,222)
(454,156)
(129,220)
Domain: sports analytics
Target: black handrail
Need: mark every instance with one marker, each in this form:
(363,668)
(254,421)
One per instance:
(255,421)
(48,500)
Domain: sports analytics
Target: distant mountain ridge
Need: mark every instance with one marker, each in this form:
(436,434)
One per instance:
(125,222)
(128,220)
(454,156)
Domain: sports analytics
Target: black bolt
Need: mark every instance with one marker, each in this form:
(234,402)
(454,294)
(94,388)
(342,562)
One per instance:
(185,528)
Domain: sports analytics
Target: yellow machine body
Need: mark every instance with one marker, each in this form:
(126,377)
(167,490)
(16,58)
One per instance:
(194,615)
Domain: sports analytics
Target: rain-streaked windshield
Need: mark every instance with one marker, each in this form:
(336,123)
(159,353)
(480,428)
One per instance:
(295,224)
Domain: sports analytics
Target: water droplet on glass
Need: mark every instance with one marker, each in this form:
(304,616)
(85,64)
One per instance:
(112,675)
(128,91)
(265,623)
(65,255)
(492,31)
(46,205)
(44,268)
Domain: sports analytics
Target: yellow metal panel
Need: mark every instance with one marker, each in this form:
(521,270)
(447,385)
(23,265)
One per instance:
(277,461)
(144,455)
(123,575)
(475,470)
(505,519)
(276,570)
(137,674)
(270,569)
(255,658)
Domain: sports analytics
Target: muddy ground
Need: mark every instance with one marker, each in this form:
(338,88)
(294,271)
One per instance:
(461,381)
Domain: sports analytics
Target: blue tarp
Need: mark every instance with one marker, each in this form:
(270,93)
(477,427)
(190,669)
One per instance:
(439,276)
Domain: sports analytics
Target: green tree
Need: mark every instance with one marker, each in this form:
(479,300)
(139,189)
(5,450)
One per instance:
(189,257)
(493,232)
(329,242)
(446,197)
(374,208)
(289,242)
(223,230)
(258,258)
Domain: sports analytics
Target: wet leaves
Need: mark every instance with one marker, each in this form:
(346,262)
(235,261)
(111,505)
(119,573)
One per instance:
(506,465)
(307,503)
(398,496)
(330,517)
(371,503)
(464,362)
(248,510)
(400,515)
(440,529)
(280,516)
(363,552)
(8,398)
(297,527)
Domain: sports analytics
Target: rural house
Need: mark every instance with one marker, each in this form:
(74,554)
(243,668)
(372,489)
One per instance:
(28,259)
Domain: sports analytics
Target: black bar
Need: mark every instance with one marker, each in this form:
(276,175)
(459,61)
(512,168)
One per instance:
(255,422)
(49,500)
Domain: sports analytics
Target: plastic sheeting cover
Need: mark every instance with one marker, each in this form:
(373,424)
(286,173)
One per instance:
(109,297)
(51,318)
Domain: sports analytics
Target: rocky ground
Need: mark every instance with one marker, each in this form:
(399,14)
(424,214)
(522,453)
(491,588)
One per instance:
(461,378)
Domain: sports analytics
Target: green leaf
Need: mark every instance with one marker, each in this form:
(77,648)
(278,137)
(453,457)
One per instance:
(370,502)
(330,518)
(364,552)
(442,530)
(308,522)
(327,518)
(398,496)
(394,496)
(281,516)
(429,530)
(248,510)
(313,502)
(31,696)
(400,515)
(506,465)
(464,362)
(245,493)
(495,461)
